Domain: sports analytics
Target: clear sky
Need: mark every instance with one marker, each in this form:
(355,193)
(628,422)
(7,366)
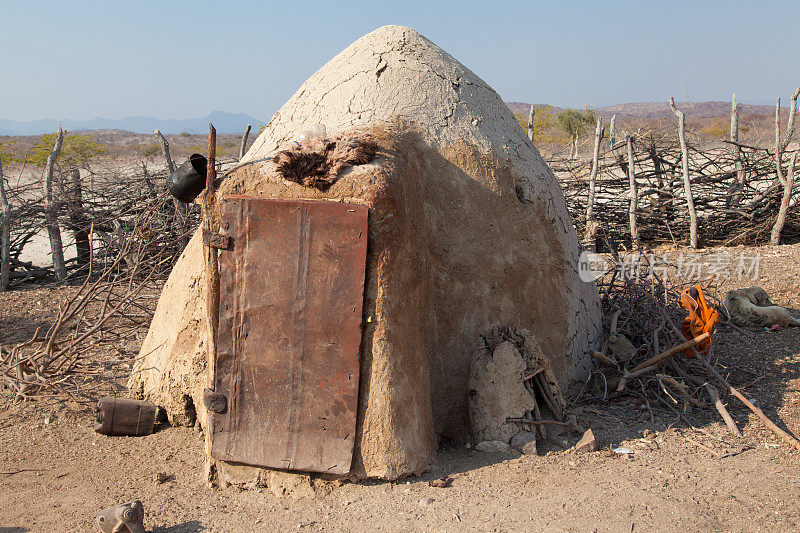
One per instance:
(178,59)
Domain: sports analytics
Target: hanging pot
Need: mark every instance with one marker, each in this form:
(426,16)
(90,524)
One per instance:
(189,180)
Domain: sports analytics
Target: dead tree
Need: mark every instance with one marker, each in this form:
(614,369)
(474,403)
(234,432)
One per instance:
(780,147)
(181,209)
(530,123)
(5,234)
(165,151)
(790,123)
(51,211)
(244,140)
(775,235)
(634,205)
(77,217)
(591,224)
(687,184)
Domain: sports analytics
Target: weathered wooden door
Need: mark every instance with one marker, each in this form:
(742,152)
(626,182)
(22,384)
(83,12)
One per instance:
(291,291)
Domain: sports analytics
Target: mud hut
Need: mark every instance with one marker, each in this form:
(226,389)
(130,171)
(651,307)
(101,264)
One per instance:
(467,230)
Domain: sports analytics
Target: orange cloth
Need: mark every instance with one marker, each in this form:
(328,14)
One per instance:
(701,319)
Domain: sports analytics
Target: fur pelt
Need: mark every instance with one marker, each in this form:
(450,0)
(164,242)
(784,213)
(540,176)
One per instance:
(752,307)
(318,162)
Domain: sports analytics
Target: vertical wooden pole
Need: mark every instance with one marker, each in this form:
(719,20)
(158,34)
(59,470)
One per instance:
(212,289)
(611,131)
(242,148)
(51,211)
(778,150)
(530,122)
(786,181)
(634,205)
(77,219)
(165,151)
(687,184)
(5,234)
(737,151)
(181,209)
(775,235)
(590,237)
(574,146)
(790,123)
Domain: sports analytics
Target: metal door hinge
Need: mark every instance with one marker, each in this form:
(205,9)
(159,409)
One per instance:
(215,240)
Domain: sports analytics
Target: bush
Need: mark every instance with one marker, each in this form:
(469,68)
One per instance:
(149,150)
(76,150)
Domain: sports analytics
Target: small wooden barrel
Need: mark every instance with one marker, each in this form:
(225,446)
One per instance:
(120,416)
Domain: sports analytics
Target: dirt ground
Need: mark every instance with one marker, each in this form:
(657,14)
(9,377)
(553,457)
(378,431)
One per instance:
(56,473)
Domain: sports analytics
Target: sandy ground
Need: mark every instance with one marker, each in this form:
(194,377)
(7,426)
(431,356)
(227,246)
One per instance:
(56,473)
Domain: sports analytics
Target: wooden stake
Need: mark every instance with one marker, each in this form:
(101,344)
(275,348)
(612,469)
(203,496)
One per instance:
(687,184)
(790,123)
(51,211)
(212,288)
(634,205)
(530,123)
(5,234)
(244,140)
(165,151)
(77,218)
(737,150)
(611,132)
(780,221)
(591,224)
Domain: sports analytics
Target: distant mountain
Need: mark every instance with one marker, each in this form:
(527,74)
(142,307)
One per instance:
(223,122)
(521,108)
(650,110)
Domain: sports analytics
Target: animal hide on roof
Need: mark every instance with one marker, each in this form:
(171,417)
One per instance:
(318,162)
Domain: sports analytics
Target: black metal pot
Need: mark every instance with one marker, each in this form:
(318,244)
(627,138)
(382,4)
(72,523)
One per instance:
(189,180)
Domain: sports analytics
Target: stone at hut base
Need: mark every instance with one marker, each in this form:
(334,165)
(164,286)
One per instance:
(586,444)
(524,442)
(492,446)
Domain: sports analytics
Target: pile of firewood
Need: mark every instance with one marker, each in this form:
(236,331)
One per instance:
(642,353)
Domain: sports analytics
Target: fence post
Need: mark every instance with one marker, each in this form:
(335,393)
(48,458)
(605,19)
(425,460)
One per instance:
(181,210)
(634,205)
(530,122)
(51,211)
(5,234)
(775,235)
(687,184)
(778,150)
(611,132)
(786,181)
(590,236)
(244,140)
(77,218)
(737,151)
(165,151)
